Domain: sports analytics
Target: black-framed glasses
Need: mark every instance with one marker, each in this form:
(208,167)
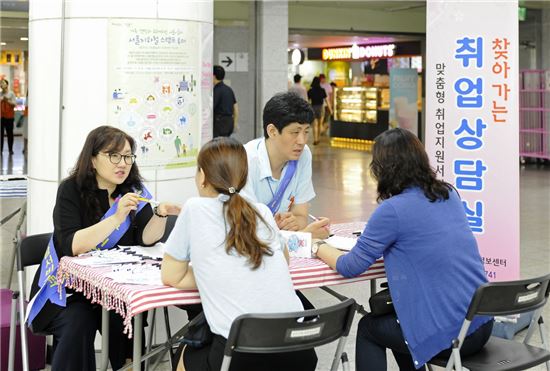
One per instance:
(115,158)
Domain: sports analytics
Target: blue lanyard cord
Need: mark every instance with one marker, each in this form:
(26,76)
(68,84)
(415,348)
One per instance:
(275,202)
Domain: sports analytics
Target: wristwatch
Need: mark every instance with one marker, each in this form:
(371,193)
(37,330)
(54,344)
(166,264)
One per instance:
(315,247)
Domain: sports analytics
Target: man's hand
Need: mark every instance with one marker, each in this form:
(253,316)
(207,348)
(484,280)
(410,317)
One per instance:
(319,228)
(287,221)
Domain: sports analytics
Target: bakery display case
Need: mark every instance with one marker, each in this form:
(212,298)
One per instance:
(358,114)
(356,104)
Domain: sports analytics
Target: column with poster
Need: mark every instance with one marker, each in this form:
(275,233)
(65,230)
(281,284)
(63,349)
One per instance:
(155,88)
(472,119)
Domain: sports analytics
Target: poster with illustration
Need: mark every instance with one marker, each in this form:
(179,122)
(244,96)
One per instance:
(403,98)
(154,83)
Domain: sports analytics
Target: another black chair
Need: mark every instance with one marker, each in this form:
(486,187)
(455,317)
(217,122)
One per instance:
(29,252)
(502,299)
(287,332)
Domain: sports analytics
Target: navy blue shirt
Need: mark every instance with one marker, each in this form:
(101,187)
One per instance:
(224,99)
(432,263)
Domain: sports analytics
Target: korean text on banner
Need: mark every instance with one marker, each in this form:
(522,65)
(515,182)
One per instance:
(472,119)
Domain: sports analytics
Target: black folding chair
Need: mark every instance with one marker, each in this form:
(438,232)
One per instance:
(29,252)
(288,332)
(502,299)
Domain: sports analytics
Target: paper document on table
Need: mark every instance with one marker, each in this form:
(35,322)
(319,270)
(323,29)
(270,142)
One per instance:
(342,243)
(105,257)
(148,252)
(136,274)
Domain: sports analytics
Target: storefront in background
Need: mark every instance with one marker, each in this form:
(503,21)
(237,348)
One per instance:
(361,100)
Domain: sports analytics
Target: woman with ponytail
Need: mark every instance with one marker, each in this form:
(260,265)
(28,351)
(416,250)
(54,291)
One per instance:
(240,264)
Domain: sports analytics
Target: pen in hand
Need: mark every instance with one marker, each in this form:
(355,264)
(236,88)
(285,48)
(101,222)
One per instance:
(315,219)
(151,201)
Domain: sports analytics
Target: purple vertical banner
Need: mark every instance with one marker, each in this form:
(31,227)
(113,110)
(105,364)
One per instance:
(472,119)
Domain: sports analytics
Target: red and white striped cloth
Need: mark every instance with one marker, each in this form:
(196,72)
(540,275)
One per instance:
(129,300)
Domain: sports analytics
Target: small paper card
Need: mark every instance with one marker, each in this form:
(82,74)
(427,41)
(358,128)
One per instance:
(299,243)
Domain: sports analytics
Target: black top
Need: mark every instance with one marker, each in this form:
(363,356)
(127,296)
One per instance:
(224,99)
(316,95)
(69,217)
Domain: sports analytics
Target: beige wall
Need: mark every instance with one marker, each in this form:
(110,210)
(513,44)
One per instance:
(303,16)
(330,16)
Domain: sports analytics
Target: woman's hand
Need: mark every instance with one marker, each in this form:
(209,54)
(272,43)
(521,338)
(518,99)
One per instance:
(166,208)
(126,203)
(319,229)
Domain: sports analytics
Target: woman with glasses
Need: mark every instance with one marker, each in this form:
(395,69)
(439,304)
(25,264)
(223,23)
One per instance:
(103,195)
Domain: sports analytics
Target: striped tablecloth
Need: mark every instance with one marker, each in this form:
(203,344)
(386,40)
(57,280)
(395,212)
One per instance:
(129,300)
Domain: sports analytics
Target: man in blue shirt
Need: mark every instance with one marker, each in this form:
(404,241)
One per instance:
(279,165)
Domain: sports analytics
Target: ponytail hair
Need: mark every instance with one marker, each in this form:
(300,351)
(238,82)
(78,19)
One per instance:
(225,167)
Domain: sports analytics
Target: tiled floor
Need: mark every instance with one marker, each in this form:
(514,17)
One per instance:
(15,164)
(346,192)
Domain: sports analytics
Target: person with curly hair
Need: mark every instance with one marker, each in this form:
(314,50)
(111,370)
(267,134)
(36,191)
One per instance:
(430,255)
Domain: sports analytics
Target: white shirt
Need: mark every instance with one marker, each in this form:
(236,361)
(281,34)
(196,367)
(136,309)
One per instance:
(299,89)
(227,285)
(261,186)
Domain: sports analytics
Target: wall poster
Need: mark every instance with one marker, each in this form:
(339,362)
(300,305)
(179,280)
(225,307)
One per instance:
(154,85)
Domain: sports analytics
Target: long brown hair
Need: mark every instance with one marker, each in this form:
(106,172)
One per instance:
(400,161)
(223,161)
(102,139)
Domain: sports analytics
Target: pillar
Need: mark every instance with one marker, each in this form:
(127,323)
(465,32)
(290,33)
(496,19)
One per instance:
(69,46)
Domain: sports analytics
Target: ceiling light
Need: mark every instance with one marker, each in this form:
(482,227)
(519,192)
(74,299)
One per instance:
(2,43)
(24,38)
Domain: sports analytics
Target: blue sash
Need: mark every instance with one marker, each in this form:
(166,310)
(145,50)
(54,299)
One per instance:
(275,203)
(48,269)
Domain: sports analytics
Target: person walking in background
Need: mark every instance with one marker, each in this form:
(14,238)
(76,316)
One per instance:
(327,111)
(226,110)
(8,103)
(328,122)
(298,88)
(317,96)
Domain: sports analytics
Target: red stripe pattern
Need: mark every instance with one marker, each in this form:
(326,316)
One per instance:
(129,300)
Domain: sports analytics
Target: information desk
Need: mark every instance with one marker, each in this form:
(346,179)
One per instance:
(130,301)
